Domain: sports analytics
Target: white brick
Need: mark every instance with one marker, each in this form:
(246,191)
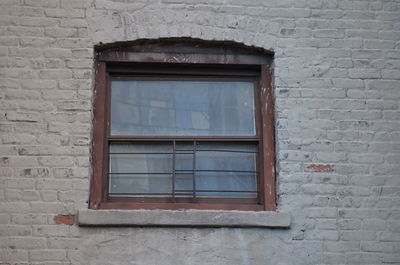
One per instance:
(337,70)
(23,242)
(364,73)
(47,255)
(342,247)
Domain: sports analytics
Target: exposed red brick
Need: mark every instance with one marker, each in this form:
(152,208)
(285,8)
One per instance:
(64,219)
(320,168)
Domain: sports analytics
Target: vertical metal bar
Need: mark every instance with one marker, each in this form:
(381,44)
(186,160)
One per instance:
(194,169)
(173,170)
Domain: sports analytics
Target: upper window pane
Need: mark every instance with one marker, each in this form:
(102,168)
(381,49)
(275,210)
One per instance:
(198,108)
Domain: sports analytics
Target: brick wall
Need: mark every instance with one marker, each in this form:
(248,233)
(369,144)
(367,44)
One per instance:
(337,88)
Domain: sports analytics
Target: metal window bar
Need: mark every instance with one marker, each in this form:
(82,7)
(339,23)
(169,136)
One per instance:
(175,172)
(194,170)
(181,171)
(181,152)
(188,192)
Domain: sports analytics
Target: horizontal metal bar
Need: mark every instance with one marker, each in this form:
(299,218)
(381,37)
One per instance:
(221,170)
(183,170)
(138,75)
(138,173)
(145,153)
(243,191)
(189,192)
(227,151)
(184,138)
(183,152)
(138,193)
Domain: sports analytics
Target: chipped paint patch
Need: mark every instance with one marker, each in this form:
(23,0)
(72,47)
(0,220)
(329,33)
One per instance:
(64,219)
(320,168)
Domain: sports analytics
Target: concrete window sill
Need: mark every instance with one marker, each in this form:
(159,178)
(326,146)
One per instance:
(184,218)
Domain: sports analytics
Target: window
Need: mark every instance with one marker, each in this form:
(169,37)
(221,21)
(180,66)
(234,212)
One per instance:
(181,125)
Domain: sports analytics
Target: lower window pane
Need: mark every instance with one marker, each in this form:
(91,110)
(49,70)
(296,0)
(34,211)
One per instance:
(183,162)
(184,169)
(140,185)
(141,163)
(226,184)
(229,161)
(184,185)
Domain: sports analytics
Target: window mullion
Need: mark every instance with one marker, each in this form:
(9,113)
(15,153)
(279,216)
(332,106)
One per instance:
(173,170)
(155,138)
(194,169)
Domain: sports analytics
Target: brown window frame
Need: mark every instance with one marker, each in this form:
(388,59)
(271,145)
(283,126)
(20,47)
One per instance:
(183,60)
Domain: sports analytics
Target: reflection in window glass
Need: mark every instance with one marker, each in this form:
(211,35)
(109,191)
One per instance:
(182,108)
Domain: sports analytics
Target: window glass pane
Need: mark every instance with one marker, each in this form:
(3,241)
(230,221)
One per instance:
(226,156)
(226,146)
(182,108)
(141,147)
(141,163)
(225,161)
(185,147)
(184,184)
(183,162)
(140,185)
(226,184)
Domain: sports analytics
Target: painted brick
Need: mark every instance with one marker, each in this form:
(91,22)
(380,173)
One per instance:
(47,255)
(337,70)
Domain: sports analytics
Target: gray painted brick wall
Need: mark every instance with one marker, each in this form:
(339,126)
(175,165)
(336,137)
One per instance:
(337,88)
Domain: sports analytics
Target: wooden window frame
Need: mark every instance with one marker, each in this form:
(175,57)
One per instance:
(217,59)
